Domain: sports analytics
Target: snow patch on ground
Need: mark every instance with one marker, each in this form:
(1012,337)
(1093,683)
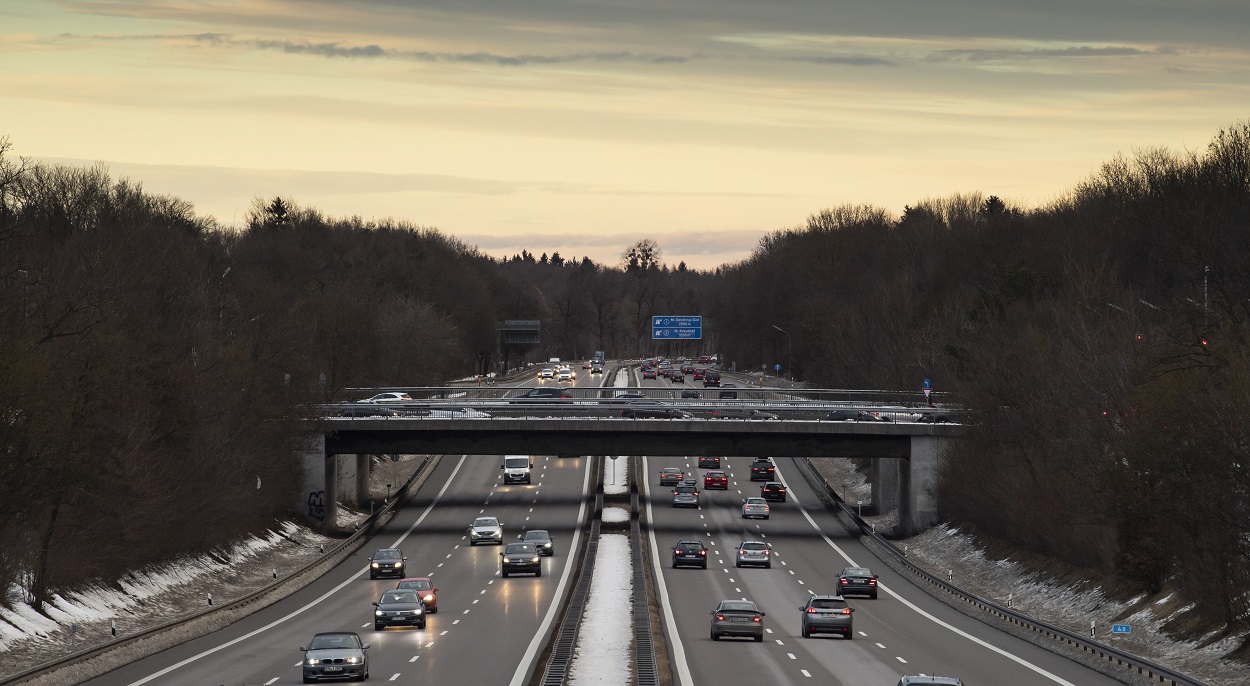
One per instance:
(616,476)
(605,639)
(614,515)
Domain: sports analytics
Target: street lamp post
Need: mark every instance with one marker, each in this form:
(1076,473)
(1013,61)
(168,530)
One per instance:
(790,349)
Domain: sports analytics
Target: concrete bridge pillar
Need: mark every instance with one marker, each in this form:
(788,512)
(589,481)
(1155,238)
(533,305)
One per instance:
(363,465)
(320,483)
(885,485)
(918,475)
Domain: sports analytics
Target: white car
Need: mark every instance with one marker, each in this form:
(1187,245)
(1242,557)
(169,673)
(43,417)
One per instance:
(547,373)
(565,374)
(388,398)
(486,530)
(755,507)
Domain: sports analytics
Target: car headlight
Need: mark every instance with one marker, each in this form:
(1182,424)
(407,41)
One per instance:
(375,565)
(420,609)
(535,559)
(399,564)
(352,660)
(378,613)
(312,661)
(429,598)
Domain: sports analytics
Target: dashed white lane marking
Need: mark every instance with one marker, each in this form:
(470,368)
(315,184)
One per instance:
(466,611)
(272,680)
(737,590)
(476,600)
(900,659)
(431,643)
(489,583)
(791,656)
(806,673)
(394,676)
(768,630)
(481,592)
(801,583)
(881,646)
(414,658)
(779,642)
(444,631)
(457,546)
(862,634)
(440,564)
(363,626)
(455,622)
(448,556)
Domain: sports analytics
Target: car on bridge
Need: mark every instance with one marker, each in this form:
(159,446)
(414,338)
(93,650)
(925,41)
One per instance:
(685,495)
(398,608)
(857,581)
(754,554)
(520,557)
(709,463)
(755,507)
(671,476)
(762,469)
(855,416)
(458,413)
(335,655)
(388,397)
(653,409)
(926,680)
(742,413)
(716,480)
(425,590)
(773,491)
(737,618)
(542,394)
(690,553)
(486,530)
(386,562)
(542,540)
(367,411)
(827,614)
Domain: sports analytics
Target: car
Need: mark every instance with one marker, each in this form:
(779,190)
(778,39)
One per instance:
(597,369)
(367,411)
(709,463)
(425,590)
(855,416)
(626,396)
(543,394)
(826,614)
(389,397)
(565,374)
(857,581)
(937,419)
(486,530)
(926,680)
(704,359)
(737,618)
(335,655)
(728,392)
(587,364)
(754,553)
(687,369)
(773,491)
(711,378)
(458,413)
(742,413)
(542,540)
(690,553)
(648,373)
(685,495)
(398,608)
(671,476)
(716,480)
(677,375)
(694,395)
(386,562)
(762,469)
(520,557)
(547,373)
(653,409)
(755,507)
(699,373)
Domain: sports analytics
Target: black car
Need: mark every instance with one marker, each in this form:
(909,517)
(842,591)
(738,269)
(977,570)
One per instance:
(367,411)
(520,557)
(691,394)
(709,463)
(541,540)
(690,553)
(653,409)
(711,378)
(727,392)
(762,469)
(773,491)
(677,375)
(742,413)
(387,562)
(543,393)
(399,608)
(858,581)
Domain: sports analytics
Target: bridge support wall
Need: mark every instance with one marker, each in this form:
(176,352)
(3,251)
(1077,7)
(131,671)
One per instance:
(918,476)
(885,485)
(363,464)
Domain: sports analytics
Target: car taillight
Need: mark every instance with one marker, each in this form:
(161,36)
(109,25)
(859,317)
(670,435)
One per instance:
(766,552)
(811,610)
(742,552)
(844,581)
(872,582)
(846,610)
(756,618)
(703,552)
(720,617)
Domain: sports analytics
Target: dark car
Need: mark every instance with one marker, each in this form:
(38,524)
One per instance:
(671,476)
(540,539)
(335,655)
(711,378)
(425,590)
(826,614)
(857,581)
(737,618)
(687,369)
(367,411)
(773,491)
(742,413)
(596,369)
(709,463)
(690,553)
(399,608)
(386,562)
(925,680)
(653,409)
(520,557)
(677,375)
(762,469)
(694,395)
(543,393)
(698,373)
(648,373)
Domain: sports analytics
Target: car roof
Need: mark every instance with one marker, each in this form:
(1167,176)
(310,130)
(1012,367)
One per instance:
(537,532)
(755,500)
(336,633)
(773,483)
(749,540)
(857,571)
(671,469)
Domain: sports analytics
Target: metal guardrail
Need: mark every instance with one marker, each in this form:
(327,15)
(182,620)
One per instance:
(1143,667)
(89,653)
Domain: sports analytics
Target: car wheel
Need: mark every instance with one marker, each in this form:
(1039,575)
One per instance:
(472,542)
(738,564)
(759,639)
(704,565)
(715,636)
(421,626)
(674,565)
(434,610)
(765,516)
(538,572)
(874,596)
(309,680)
(372,576)
(377,627)
(503,573)
(768,565)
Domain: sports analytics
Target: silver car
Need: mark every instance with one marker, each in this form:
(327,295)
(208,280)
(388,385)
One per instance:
(335,655)
(755,553)
(486,530)
(685,496)
(755,507)
(737,618)
(827,614)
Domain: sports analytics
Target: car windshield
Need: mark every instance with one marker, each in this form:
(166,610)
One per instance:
(738,606)
(755,501)
(387,554)
(828,603)
(686,489)
(486,521)
(716,475)
(754,545)
(521,548)
(856,571)
(415,585)
(333,641)
(401,596)
(672,470)
(536,535)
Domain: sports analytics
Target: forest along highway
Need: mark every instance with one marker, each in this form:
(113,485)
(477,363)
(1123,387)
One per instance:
(903,631)
(484,626)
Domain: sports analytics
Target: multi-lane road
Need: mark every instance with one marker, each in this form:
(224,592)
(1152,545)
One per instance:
(488,629)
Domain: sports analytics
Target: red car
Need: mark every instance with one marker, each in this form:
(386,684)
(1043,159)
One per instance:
(716,480)
(425,591)
(698,373)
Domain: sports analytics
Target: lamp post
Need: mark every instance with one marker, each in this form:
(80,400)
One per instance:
(790,349)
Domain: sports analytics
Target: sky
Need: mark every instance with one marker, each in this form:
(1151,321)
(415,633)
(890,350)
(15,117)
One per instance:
(583,126)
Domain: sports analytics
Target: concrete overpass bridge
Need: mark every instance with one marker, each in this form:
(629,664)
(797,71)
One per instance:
(905,454)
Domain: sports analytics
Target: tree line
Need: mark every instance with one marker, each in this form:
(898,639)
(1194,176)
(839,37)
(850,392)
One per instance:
(153,363)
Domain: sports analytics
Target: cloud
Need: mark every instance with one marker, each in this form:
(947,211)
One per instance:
(1078,52)
(847,60)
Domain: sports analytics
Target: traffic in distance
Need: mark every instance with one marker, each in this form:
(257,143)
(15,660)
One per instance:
(471,566)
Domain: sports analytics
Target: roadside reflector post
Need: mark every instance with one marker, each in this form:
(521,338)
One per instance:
(950,575)
(113,628)
(1091,628)
(1008,601)
(210,598)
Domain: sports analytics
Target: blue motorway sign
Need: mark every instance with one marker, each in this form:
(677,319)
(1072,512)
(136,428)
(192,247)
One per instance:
(669,327)
(1121,628)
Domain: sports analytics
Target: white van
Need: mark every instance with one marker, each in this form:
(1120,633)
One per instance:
(516,469)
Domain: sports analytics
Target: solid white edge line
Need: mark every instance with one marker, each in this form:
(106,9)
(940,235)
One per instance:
(679,651)
(327,594)
(531,653)
(1014,658)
